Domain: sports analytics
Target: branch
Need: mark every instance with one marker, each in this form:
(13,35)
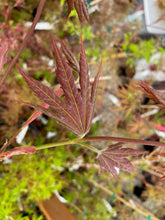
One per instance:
(121,140)
(87,139)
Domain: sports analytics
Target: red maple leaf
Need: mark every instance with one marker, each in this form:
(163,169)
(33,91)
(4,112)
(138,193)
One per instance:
(114,156)
(71,60)
(77,111)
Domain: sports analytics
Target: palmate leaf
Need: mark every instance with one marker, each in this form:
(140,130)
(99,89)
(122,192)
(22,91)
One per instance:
(81,7)
(59,119)
(66,79)
(114,157)
(58,91)
(76,112)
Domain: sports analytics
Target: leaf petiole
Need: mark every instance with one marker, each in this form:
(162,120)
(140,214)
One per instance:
(90,148)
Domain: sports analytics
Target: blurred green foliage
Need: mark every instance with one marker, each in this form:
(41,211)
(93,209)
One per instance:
(144,49)
(28,179)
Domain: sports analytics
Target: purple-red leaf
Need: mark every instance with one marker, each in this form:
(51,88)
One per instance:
(78,4)
(17,151)
(58,91)
(81,7)
(114,157)
(75,113)
(95,85)
(70,7)
(85,10)
(94,94)
(70,57)
(49,97)
(85,87)
(66,79)
(66,122)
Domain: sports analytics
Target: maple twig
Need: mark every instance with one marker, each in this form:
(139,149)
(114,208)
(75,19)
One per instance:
(3,148)
(139,209)
(87,139)
(121,140)
(67,142)
(56,144)
(27,122)
(29,33)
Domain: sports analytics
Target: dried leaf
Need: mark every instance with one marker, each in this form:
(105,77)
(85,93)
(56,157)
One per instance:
(114,157)
(153,94)
(17,151)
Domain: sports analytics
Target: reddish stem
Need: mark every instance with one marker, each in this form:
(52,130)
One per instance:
(121,140)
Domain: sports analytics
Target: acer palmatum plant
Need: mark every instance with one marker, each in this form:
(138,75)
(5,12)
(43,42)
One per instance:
(75,110)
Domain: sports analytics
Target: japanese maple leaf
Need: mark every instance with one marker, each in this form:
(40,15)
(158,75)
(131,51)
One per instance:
(81,8)
(153,94)
(77,111)
(114,156)
(58,91)
(71,60)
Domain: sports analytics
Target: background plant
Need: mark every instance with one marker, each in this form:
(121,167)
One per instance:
(72,151)
(143,49)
